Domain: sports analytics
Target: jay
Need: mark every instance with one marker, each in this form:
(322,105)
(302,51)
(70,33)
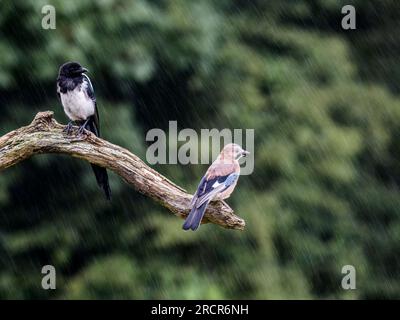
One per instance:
(217,184)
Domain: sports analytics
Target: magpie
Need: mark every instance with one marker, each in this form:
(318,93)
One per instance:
(75,91)
(217,184)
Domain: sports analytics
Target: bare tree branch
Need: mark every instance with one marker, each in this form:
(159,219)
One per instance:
(45,135)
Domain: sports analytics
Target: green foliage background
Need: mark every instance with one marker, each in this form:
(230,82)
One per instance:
(325,107)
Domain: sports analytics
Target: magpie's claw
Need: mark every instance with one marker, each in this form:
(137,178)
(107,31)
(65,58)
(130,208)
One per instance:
(68,128)
(81,130)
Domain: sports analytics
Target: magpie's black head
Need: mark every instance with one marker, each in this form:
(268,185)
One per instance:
(71,69)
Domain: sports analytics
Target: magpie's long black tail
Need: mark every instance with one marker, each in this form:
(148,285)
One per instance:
(99,172)
(102,180)
(195,216)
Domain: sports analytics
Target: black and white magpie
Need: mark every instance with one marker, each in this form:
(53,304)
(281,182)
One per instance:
(76,94)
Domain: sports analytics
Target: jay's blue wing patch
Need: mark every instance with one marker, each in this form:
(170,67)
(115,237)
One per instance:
(207,186)
(208,189)
(231,179)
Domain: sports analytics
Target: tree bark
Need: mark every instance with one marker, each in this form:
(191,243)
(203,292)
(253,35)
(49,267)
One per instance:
(45,135)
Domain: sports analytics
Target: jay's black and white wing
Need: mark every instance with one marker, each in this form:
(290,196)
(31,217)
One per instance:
(208,189)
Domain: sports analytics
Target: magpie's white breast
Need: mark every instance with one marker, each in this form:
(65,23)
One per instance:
(77,104)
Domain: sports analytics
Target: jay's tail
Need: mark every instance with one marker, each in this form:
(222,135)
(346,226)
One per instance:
(195,216)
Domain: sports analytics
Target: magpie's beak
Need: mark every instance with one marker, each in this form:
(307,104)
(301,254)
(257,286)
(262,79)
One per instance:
(245,153)
(84,70)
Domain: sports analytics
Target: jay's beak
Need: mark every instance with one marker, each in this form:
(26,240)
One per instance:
(245,153)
